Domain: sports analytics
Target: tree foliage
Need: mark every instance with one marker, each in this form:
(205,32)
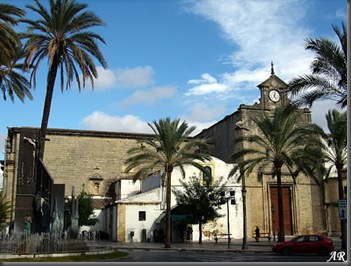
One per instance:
(336,155)
(12,81)
(328,80)
(200,200)
(86,210)
(4,209)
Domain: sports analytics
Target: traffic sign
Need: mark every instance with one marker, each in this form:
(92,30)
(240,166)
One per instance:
(342,209)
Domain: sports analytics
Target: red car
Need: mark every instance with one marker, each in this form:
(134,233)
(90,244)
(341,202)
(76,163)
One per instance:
(316,243)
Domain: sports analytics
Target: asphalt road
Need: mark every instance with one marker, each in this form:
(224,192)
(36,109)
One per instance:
(214,256)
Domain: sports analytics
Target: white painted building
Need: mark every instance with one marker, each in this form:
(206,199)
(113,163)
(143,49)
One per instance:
(139,212)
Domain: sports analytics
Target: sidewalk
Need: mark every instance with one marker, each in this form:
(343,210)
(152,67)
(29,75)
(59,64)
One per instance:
(263,246)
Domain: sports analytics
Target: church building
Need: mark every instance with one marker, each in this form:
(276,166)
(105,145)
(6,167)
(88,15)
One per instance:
(92,161)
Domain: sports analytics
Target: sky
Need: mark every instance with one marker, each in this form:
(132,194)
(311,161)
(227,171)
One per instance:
(194,60)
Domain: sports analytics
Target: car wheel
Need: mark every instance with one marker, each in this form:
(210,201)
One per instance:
(286,251)
(323,251)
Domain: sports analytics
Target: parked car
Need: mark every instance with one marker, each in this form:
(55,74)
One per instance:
(310,243)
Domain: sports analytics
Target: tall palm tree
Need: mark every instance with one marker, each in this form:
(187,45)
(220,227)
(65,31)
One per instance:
(328,80)
(171,146)
(12,82)
(62,36)
(282,142)
(336,154)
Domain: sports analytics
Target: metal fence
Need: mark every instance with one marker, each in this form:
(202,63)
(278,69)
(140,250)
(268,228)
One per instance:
(41,243)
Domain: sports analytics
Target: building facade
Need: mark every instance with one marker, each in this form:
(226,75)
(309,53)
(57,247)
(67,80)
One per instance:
(92,161)
(302,200)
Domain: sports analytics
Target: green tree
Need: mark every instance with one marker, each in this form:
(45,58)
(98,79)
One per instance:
(336,154)
(86,210)
(12,82)
(170,147)
(62,36)
(328,80)
(86,214)
(282,141)
(200,200)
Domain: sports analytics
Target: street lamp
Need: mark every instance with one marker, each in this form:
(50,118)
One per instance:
(273,225)
(243,191)
(225,198)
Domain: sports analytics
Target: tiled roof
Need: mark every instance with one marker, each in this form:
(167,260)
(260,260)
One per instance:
(101,203)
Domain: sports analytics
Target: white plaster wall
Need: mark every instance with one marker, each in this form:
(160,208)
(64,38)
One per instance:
(98,226)
(133,223)
(146,202)
(128,187)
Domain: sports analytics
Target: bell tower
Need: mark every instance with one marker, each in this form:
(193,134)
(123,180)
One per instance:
(274,92)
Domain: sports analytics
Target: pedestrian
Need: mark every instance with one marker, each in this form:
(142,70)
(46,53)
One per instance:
(257,234)
(189,233)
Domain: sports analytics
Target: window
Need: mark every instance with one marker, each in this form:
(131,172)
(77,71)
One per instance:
(96,188)
(142,216)
(206,176)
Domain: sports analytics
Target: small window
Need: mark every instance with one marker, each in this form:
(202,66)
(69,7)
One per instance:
(96,188)
(142,216)
(206,176)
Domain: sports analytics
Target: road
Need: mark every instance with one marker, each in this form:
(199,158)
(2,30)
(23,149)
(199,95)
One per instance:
(214,256)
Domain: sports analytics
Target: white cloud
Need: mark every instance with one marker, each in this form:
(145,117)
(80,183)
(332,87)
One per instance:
(206,78)
(207,88)
(151,96)
(129,123)
(203,112)
(261,31)
(135,77)
(124,78)
(206,85)
(106,79)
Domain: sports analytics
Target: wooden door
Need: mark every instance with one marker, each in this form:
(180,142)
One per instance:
(286,210)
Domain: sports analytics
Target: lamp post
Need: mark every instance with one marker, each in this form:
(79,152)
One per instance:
(273,225)
(243,191)
(225,198)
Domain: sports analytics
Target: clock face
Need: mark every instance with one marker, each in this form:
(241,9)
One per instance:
(274,95)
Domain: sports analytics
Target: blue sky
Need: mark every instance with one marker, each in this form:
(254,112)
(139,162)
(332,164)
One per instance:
(194,60)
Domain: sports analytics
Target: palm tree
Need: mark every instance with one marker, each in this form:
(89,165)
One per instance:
(282,142)
(170,147)
(336,154)
(328,80)
(5,207)
(11,81)
(61,35)
(9,40)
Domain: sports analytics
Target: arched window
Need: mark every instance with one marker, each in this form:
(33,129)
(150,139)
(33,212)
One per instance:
(206,176)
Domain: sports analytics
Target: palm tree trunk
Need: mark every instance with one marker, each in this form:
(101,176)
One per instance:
(47,106)
(168,211)
(281,229)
